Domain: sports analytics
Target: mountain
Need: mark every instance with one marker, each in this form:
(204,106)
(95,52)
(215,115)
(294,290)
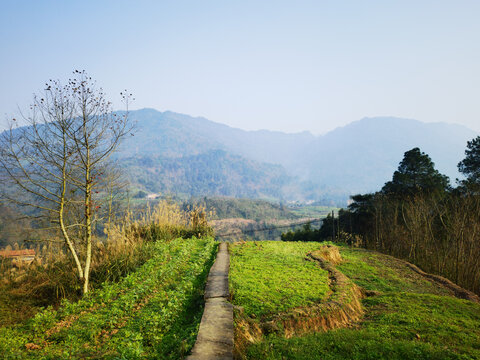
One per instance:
(177,153)
(363,155)
(172,134)
(213,173)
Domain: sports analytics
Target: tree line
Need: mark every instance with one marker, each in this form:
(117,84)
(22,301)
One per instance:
(417,216)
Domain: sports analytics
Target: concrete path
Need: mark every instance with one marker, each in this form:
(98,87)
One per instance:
(215,336)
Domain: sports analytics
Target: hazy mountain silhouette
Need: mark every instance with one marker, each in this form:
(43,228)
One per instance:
(358,157)
(363,155)
(173,134)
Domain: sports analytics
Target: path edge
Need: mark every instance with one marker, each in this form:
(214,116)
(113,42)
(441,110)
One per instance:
(215,334)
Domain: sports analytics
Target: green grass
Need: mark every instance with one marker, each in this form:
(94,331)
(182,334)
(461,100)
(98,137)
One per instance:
(447,328)
(269,277)
(153,312)
(411,318)
(374,271)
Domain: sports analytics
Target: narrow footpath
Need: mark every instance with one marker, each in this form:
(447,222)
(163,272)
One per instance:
(215,336)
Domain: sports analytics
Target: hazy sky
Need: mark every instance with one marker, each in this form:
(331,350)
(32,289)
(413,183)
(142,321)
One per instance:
(280,65)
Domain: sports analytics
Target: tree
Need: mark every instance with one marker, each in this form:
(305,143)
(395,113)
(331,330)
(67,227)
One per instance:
(470,166)
(361,214)
(416,174)
(56,164)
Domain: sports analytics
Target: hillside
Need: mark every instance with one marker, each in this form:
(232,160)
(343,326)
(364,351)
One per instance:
(318,301)
(226,208)
(168,148)
(213,173)
(187,156)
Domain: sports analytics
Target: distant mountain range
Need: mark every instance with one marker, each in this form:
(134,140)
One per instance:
(192,156)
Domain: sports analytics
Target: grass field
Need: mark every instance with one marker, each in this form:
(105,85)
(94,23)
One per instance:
(406,316)
(266,278)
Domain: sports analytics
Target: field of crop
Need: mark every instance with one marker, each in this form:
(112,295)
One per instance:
(153,312)
(266,278)
(405,315)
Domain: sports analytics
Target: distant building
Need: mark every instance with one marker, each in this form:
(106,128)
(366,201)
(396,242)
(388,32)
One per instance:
(25,255)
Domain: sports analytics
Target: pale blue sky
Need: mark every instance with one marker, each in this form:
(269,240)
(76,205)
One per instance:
(280,65)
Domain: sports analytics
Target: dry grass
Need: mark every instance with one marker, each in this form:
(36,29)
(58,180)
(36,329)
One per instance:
(328,253)
(165,221)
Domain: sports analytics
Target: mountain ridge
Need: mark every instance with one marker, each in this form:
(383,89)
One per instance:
(175,153)
(358,157)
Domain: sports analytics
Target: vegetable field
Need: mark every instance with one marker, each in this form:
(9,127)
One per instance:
(153,312)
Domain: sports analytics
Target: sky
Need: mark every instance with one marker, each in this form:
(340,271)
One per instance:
(280,65)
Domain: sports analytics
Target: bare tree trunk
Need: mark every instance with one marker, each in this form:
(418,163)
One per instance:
(88,212)
(67,238)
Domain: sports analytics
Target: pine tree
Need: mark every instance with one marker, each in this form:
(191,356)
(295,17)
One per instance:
(416,174)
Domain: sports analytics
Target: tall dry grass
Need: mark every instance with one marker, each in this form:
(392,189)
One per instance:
(166,221)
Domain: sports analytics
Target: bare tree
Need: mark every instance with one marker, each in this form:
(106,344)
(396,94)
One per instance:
(58,161)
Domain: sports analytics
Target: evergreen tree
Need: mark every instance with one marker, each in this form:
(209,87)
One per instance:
(470,166)
(416,174)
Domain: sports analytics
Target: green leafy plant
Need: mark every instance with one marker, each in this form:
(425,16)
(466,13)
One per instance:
(128,318)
